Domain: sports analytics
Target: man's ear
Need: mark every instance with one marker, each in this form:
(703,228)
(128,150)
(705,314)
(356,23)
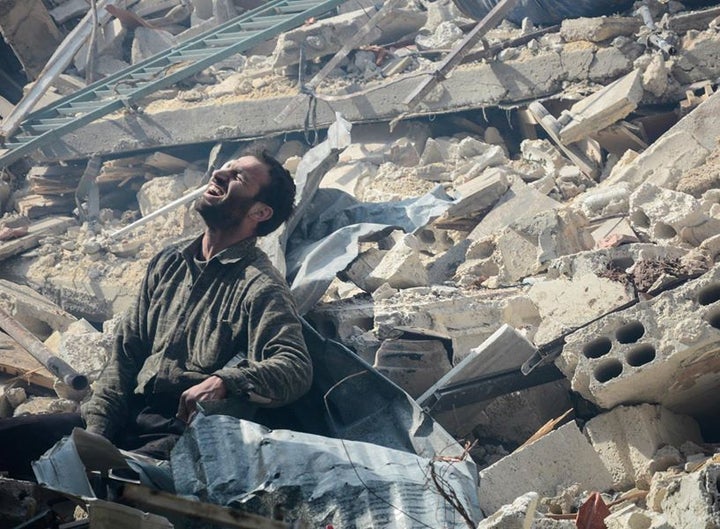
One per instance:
(261,212)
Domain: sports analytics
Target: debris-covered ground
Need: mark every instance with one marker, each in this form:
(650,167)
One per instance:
(529,249)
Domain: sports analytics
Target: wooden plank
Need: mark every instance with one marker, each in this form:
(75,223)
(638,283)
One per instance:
(17,362)
(36,206)
(156,500)
(36,231)
(166,163)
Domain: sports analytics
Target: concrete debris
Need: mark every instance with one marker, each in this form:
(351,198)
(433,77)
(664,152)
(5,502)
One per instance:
(553,242)
(629,440)
(559,459)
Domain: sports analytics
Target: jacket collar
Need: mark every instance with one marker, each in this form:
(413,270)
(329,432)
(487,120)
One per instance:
(230,255)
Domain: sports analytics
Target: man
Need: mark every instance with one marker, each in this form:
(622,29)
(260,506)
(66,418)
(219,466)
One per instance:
(214,321)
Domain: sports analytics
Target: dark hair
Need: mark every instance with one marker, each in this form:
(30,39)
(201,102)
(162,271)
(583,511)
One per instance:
(279,194)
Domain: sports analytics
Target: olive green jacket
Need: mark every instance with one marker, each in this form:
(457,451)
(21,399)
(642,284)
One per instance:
(235,319)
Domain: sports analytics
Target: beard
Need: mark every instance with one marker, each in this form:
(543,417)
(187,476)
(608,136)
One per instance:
(223,215)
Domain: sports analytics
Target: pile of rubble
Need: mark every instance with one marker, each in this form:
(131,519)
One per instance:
(551,296)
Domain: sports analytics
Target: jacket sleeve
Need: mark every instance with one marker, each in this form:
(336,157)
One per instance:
(278,369)
(106,413)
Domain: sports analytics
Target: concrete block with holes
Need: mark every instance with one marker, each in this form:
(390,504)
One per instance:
(663,215)
(628,437)
(665,350)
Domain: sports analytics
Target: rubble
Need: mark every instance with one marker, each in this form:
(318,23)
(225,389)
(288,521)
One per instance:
(525,242)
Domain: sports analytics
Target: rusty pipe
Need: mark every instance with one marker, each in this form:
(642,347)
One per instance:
(57,366)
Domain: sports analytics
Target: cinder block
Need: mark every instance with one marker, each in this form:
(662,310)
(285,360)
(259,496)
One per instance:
(559,459)
(663,215)
(628,437)
(414,365)
(664,351)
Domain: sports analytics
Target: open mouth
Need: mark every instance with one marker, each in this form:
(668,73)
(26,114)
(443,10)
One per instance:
(215,189)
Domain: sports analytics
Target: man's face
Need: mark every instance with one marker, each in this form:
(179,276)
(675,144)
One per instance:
(232,191)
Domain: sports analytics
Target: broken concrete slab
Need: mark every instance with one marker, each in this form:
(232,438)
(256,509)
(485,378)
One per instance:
(165,123)
(468,317)
(520,200)
(601,109)
(558,459)
(524,248)
(518,515)
(617,258)
(693,501)
(36,231)
(598,29)
(326,37)
(685,146)
(34,311)
(566,304)
(506,349)
(614,232)
(628,437)
(663,351)
(400,267)
(475,196)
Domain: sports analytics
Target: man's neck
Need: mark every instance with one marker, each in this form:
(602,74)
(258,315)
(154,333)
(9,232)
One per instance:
(215,241)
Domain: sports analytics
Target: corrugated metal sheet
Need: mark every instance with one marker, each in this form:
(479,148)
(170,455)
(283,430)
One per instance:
(319,480)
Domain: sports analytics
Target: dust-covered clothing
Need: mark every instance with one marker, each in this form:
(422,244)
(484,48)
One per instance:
(234,317)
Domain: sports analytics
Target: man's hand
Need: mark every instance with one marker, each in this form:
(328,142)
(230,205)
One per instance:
(212,388)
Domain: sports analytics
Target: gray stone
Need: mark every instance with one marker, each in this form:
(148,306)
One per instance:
(518,515)
(558,459)
(629,437)
(695,503)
